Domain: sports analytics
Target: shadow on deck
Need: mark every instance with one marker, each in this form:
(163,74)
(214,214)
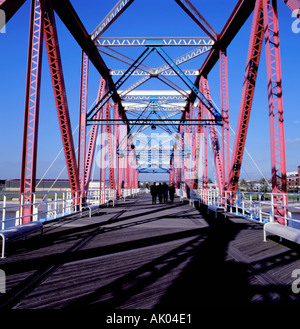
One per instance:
(143,256)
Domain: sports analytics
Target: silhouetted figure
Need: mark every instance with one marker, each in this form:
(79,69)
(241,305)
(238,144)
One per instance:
(165,192)
(153,191)
(160,192)
(172,192)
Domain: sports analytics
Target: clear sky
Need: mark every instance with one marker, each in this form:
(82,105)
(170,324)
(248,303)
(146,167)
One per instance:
(143,18)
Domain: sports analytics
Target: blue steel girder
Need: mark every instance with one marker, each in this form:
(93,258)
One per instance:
(148,41)
(209,105)
(216,115)
(154,170)
(120,72)
(92,113)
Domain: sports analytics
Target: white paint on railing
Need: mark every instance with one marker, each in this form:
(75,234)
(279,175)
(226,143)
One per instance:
(47,208)
(258,206)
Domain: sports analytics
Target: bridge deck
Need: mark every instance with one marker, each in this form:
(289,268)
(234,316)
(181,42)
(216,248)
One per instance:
(143,256)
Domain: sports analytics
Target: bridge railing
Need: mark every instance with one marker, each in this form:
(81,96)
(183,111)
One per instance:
(257,206)
(51,205)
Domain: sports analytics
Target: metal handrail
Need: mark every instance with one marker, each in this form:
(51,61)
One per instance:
(258,206)
(53,204)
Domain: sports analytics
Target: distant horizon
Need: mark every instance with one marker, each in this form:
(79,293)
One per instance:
(106,180)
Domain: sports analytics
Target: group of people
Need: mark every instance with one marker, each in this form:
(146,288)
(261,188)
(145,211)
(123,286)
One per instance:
(162,191)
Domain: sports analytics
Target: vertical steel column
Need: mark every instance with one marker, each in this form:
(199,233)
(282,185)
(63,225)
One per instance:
(127,169)
(102,159)
(176,163)
(122,158)
(254,52)
(109,146)
(192,131)
(93,139)
(182,155)
(214,139)
(116,129)
(197,146)
(59,89)
(82,120)
(137,178)
(32,103)
(276,120)
(204,154)
(225,117)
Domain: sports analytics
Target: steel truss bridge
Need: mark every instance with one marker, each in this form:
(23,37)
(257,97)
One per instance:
(189,113)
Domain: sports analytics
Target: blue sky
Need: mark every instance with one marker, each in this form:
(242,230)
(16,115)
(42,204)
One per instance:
(143,18)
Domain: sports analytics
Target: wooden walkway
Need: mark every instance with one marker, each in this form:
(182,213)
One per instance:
(143,256)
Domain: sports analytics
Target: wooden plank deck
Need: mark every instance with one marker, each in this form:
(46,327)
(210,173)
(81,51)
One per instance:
(143,256)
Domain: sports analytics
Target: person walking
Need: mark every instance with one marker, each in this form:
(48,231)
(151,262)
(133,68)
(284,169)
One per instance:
(172,192)
(165,192)
(160,192)
(153,191)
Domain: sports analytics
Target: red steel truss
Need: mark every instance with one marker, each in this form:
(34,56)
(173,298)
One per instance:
(214,138)
(225,117)
(82,120)
(93,139)
(247,95)
(60,97)
(32,102)
(121,161)
(276,120)
(111,155)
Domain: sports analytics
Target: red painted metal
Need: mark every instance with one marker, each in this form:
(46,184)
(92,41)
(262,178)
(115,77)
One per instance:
(276,118)
(254,52)
(58,84)
(115,140)
(203,115)
(195,152)
(93,139)
(197,147)
(188,7)
(204,159)
(187,155)
(119,159)
(264,19)
(193,144)
(82,120)
(122,160)
(32,102)
(109,137)
(69,17)
(182,150)
(225,117)
(294,5)
(10,7)
(214,139)
(239,15)
(102,158)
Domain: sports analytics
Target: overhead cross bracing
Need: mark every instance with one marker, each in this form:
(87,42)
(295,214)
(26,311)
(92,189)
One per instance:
(129,64)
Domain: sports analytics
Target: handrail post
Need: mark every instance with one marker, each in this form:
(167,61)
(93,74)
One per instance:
(64,203)
(272,207)
(3,212)
(55,203)
(260,208)
(20,219)
(47,204)
(243,203)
